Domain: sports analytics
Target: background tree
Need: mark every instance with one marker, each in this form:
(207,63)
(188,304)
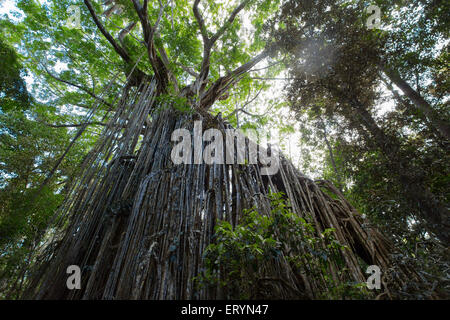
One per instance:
(29,147)
(343,71)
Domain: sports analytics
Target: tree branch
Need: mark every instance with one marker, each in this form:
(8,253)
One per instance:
(188,70)
(222,84)
(267,67)
(160,68)
(242,109)
(82,88)
(229,21)
(208,43)
(125,31)
(121,51)
(201,22)
(75,125)
(440,125)
(250,64)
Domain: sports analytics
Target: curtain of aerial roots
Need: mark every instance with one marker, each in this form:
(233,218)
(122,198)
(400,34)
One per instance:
(138,225)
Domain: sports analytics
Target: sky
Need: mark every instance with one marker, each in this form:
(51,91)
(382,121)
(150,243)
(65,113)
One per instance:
(6,6)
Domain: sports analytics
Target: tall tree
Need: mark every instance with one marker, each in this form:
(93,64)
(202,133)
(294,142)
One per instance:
(140,226)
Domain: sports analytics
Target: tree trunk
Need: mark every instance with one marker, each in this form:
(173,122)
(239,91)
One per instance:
(138,225)
(439,125)
(431,210)
(330,152)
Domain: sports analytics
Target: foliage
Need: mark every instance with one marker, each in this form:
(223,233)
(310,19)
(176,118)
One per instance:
(13,89)
(29,148)
(385,159)
(237,260)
